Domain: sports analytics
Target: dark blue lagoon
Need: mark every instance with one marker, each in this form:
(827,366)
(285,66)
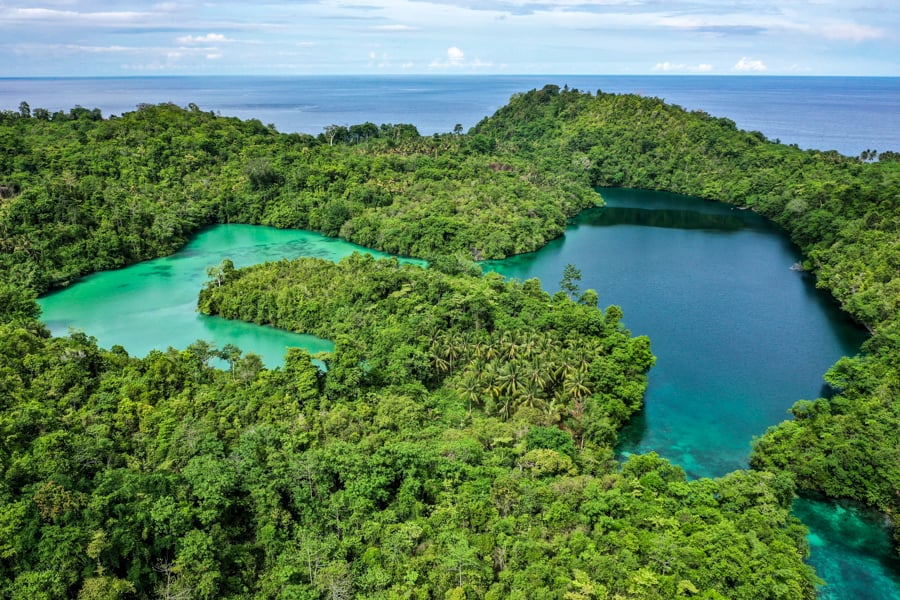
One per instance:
(739,337)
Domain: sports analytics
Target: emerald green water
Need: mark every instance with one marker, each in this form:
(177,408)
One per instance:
(153,305)
(739,336)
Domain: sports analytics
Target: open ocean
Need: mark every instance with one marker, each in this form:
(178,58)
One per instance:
(847,114)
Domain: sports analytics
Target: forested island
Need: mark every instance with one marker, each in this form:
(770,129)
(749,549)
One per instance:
(459,442)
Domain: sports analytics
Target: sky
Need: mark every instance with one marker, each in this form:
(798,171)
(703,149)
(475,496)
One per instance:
(315,37)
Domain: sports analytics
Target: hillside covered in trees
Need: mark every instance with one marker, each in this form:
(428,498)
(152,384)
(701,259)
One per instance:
(83,194)
(843,212)
(383,477)
(459,443)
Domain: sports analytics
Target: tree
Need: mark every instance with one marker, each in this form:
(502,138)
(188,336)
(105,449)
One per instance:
(221,272)
(171,586)
(335,580)
(363,132)
(231,354)
(569,282)
(589,298)
(459,558)
(17,304)
(333,131)
(261,173)
(551,438)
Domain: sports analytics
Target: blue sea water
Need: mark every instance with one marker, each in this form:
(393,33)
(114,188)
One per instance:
(847,114)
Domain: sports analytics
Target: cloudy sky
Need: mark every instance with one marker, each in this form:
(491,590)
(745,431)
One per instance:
(139,37)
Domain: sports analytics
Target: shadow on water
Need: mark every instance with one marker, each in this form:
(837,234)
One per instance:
(675,219)
(625,206)
(631,435)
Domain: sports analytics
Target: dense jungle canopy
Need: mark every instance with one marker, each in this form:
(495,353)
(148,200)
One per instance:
(459,443)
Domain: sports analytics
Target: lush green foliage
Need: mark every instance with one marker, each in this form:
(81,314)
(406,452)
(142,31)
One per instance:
(503,346)
(80,194)
(459,443)
(164,477)
(843,212)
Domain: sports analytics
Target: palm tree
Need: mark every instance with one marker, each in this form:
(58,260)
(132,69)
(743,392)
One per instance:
(531,397)
(439,362)
(529,344)
(553,408)
(510,349)
(545,345)
(565,365)
(471,390)
(510,378)
(505,407)
(576,386)
(535,375)
(585,354)
(452,350)
(490,382)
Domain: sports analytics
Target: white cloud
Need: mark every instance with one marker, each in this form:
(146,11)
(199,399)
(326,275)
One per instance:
(456,59)
(214,56)
(747,65)
(64,17)
(455,55)
(101,49)
(380,60)
(209,38)
(668,67)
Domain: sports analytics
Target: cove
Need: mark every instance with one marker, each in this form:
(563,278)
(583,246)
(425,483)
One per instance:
(738,336)
(153,305)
